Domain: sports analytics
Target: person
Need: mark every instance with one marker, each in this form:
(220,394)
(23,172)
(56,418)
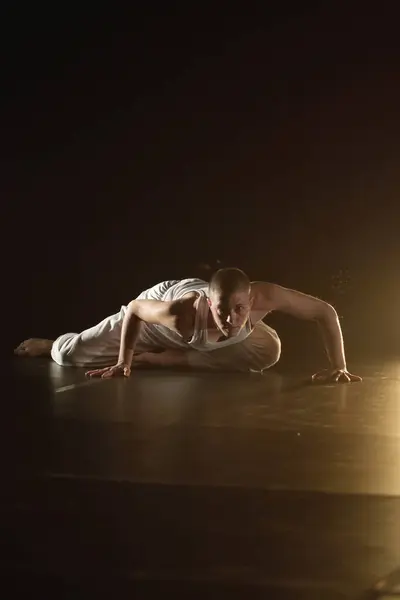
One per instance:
(191,323)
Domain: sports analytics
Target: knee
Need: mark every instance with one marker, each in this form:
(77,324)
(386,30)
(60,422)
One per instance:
(64,350)
(267,356)
(275,352)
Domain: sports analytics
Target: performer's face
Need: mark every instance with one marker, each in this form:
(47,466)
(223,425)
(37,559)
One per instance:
(230,313)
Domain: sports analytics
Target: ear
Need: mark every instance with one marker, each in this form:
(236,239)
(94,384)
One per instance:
(208,301)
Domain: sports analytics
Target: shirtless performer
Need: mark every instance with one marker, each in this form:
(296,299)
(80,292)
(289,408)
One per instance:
(190,323)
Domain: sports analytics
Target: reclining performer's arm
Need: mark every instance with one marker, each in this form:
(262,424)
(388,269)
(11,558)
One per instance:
(138,312)
(149,311)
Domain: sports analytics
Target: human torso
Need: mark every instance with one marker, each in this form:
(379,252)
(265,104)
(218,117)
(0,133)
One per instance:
(194,328)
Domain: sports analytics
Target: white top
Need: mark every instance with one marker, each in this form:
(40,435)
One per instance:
(160,336)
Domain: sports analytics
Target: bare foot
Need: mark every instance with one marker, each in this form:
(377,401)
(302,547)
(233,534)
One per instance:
(34,347)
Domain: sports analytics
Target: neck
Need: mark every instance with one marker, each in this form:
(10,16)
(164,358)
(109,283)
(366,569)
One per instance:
(211,325)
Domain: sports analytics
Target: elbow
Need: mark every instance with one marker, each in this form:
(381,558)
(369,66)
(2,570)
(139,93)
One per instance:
(328,314)
(131,306)
(132,309)
(134,315)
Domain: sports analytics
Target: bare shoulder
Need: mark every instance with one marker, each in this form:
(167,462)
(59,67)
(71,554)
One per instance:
(271,296)
(184,304)
(184,312)
(187,298)
(262,294)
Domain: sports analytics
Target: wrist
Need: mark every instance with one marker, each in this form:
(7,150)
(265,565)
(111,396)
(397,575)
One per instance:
(126,358)
(338,367)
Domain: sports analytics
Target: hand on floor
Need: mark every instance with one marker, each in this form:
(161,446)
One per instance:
(119,370)
(335,376)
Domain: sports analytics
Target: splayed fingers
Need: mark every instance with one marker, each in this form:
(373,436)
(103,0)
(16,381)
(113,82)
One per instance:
(335,376)
(108,372)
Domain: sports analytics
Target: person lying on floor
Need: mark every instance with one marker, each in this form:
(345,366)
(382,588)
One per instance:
(191,323)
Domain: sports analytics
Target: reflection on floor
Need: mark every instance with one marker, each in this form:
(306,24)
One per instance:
(202,485)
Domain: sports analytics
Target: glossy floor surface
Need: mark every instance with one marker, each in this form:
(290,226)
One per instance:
(201,485)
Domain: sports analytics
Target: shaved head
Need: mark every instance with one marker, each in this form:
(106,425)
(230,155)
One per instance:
(229,300)
(229,281)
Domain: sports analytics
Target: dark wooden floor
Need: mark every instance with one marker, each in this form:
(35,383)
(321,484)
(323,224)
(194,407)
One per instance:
(201,485)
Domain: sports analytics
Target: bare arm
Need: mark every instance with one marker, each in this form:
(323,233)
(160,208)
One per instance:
(148,311)
(158,312)
(271,297)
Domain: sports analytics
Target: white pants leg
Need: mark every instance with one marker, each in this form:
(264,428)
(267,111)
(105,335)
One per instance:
(94,347)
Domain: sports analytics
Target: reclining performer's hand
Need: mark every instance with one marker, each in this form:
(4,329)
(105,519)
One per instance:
(119,370)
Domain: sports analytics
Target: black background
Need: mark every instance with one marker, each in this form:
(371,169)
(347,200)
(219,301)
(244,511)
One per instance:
(141,146)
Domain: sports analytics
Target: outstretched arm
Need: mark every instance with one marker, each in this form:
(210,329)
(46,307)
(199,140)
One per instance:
(271,297)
